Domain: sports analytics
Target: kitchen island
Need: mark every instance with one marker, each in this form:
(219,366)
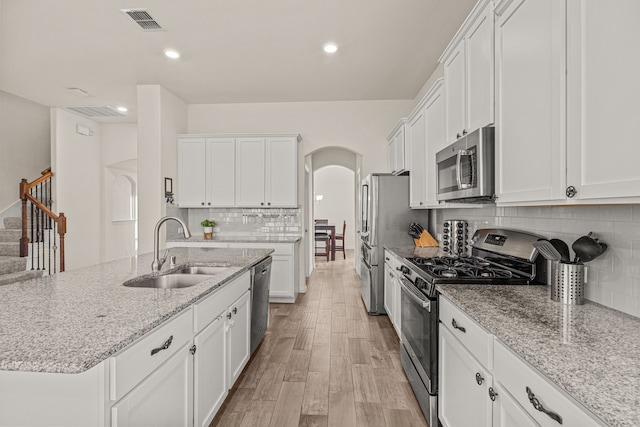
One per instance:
(62,337)
(589,351)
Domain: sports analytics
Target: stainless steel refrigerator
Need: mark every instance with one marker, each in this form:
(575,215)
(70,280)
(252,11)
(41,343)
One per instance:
(384,221)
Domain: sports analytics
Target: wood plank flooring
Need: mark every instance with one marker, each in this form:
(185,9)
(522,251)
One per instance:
(324,362)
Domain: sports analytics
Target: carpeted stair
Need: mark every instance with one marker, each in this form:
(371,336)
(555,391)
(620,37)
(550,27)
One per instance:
(12,266)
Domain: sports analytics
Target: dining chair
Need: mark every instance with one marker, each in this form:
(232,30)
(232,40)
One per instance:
(320,237)
(340,237)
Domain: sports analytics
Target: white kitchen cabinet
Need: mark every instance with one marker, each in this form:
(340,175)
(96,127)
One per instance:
(566,100)
(468,65)
(603,91)
(210,371)
(524,384)
(507,412)
(238,326)
(267,172)
(483,382)
(530,100)
(192,172)
(417,141)
(165,398)
(284,269)
(397,162)
(392,301)
(250,170)
(464,385)
(235,170)
(206,172)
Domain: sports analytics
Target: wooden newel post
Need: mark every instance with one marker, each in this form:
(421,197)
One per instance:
(62,229)
(24,240)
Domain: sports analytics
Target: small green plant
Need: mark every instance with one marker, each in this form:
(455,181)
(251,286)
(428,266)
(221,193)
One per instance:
(208,223)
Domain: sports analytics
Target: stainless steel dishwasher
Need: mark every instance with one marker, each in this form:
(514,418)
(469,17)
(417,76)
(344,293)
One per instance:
(260,282)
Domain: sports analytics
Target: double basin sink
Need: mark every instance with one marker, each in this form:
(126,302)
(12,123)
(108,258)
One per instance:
(182,278)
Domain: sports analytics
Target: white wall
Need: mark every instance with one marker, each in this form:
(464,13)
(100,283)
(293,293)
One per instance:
(76,165)
(119,161)
(161,117)
(25,144)
(361,126)
(335,184)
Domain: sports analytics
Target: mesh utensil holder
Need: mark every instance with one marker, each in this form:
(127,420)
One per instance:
(568,284)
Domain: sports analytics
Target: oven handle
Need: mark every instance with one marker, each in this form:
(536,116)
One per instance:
(412,292)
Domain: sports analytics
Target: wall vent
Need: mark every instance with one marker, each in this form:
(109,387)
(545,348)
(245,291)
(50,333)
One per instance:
(105,111)
(143,18)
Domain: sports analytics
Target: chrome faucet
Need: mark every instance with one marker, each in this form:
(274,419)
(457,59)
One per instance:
(156,265)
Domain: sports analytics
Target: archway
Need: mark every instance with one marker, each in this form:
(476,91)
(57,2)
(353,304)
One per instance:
(318,165)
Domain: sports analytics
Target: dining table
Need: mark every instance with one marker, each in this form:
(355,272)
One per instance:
(332,229)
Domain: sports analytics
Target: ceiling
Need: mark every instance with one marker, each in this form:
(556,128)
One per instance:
(233,51)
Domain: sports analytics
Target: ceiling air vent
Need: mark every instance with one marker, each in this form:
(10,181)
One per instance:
(143,19)
(97,111)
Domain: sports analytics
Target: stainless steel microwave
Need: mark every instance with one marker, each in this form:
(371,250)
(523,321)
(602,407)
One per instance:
(466,168)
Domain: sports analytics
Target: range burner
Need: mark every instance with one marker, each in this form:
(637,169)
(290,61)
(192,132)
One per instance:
(463,269)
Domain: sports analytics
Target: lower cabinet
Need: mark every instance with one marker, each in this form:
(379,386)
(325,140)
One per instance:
(499,391)
(392,303)
(210,374)
(464,385)
(162,399)
(238,336)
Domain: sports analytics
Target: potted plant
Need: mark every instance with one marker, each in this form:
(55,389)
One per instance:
(207,226)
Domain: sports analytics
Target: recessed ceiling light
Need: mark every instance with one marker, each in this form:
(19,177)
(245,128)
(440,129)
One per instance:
(173,54)
(330,47)
(122,109)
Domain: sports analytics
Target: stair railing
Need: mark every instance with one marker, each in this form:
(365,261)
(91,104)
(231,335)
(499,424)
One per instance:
(41,221)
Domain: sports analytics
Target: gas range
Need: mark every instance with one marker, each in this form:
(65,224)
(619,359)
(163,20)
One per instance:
(498,256)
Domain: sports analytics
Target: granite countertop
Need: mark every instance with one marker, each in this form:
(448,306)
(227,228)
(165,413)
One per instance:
(199,238)
(590,351)
(72,321)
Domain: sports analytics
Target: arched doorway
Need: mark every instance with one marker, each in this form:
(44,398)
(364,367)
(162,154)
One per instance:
(337,169)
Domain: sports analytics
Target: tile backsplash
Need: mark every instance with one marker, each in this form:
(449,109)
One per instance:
(246,221)
(613,279)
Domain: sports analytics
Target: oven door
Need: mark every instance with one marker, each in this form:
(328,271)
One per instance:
(419,326)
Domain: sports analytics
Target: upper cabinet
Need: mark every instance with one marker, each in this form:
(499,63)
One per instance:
(566,102)
(397,155)
(228,171)
(468,65)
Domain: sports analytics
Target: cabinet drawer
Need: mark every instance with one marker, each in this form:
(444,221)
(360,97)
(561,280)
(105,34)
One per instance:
(211,306)
(474,337)
(137,361)
(516,376)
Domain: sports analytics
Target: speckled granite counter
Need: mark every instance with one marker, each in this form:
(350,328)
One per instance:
(590,351)
(199,238)
(72,321)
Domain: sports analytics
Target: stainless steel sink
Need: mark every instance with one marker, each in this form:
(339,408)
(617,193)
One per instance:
(201,270)
(168,281)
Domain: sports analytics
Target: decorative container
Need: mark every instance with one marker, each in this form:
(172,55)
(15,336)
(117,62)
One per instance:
(568,283)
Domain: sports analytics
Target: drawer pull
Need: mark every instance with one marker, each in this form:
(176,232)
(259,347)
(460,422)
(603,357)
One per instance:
(165,346)
(492,394)
(455,326)
(538,406)
(479,378)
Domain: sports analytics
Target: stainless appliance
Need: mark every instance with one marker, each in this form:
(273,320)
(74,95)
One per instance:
(498,256)
(466,168)
(455,237)
(260,283)
(385,218)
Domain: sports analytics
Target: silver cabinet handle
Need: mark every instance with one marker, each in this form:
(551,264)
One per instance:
(479,378)
(455,326)
(164,346)
(538,406)
(492,394)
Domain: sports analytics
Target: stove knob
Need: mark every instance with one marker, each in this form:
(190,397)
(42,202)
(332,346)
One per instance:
(445,237)
(445,249)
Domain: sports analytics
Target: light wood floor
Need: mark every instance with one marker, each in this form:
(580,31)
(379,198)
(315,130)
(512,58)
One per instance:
(324,362)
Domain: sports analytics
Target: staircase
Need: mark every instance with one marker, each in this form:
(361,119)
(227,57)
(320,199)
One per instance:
(12,266)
